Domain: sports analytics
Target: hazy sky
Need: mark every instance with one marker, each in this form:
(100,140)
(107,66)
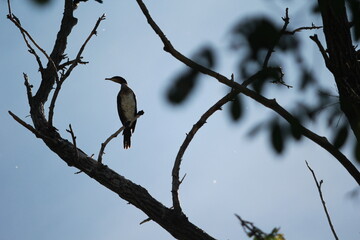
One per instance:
(227,172)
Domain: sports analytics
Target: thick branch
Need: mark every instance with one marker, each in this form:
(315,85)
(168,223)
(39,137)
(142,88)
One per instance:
(176,169)
(271,104)
(49,76)
(177,225)
(344,64)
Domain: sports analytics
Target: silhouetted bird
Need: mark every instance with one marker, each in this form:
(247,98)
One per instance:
(126,105)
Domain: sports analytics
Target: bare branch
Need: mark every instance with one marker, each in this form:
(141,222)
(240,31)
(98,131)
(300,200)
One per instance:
(268,103)
(318,185)
(72,64)
(9,7)
(29,127)
(114,135)
(70,130)
(322,51)
(286,20)
(176,168)
(28,88)
(312,27)
(77,60)
(25,34)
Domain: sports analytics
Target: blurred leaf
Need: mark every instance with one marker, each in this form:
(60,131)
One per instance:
(306,78)
(295,131)
(341,136)
(316,8)
(273,74)
(206,57)
(236,108)
(41,2)
(277,137)
(182,86)
(252,32)
(256,129)
(334,115)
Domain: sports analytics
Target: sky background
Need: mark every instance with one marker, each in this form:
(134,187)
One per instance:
(227,172)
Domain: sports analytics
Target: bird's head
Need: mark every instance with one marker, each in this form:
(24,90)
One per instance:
(117,79)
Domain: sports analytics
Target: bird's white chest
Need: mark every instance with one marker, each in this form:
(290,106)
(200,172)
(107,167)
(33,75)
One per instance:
(128,106)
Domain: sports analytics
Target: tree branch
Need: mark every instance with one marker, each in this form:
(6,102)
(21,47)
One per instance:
(286,20)
(29,127)
(322,50)
(176,168)
(70,130)
(318,185)
(73,64)
(25,34)
(114,135)
(28,88)
(49,76)
(177,225)
(312,27)
(268,103)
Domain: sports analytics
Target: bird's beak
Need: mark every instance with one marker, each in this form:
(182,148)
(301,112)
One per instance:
(109,79)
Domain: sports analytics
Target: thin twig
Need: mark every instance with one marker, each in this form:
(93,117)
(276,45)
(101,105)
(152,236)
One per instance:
(33,52)
(176,168)
(318,185)
(322,50)
(114,135)
(70,62)
(29,127)
(77,60)
(312,27)
(9,7)
(144,221)
(73,64)
(268,103)
(16,21)
(70,130)
(286,20)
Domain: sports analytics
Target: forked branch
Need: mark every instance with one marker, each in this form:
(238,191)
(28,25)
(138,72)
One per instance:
(26,35)
(268,103)
(72,64)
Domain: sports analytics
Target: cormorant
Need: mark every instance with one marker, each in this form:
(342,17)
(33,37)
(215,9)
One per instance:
(126,105)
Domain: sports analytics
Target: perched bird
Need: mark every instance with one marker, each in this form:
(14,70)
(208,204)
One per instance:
(126,105)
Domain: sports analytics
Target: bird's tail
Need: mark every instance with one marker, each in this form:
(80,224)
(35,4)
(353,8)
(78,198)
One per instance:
(127,137)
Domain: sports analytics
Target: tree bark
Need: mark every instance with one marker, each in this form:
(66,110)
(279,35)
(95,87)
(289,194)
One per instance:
(343,62)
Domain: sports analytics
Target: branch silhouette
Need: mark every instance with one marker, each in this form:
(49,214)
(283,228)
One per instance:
(176,224)
(268,103)
(114,135)
(318,185)
(176,169)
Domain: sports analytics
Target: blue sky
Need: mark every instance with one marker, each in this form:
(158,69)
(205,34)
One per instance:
(227,172)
